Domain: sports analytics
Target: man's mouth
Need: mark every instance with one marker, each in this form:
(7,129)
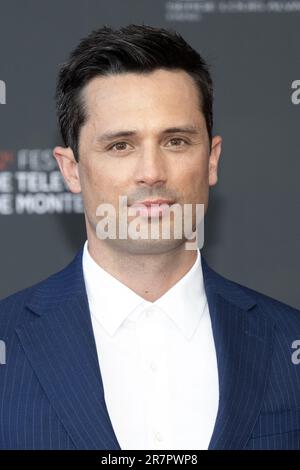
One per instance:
(152,207)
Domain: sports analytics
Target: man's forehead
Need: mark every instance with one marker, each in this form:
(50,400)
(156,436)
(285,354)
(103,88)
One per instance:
(126,83)
(110,110)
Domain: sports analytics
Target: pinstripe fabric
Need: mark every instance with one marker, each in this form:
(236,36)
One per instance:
(51,391)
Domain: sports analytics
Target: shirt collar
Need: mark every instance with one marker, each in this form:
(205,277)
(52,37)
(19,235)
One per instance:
(111,301)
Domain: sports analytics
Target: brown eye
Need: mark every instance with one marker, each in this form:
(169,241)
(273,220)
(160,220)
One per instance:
(118,144)
(177,139)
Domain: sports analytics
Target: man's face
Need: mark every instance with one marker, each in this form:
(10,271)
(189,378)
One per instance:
(148,163)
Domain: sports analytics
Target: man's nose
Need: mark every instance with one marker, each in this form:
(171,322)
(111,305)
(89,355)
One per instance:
(151,167)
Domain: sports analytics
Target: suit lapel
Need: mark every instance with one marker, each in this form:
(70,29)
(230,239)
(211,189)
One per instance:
(60,346)
(243,340)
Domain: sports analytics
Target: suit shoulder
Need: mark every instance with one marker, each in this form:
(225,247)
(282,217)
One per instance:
(12,310)
(16,299)
(12,307)
(275,309)
(51,289)
(233,290)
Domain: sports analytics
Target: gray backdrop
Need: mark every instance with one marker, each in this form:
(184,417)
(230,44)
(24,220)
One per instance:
(252,228)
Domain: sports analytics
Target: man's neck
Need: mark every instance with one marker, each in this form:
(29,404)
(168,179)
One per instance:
(148,275)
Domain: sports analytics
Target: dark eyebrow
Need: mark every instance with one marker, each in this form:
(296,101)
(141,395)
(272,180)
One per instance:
(108,136)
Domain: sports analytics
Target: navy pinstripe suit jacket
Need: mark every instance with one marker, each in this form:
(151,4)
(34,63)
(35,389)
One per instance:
(51,391)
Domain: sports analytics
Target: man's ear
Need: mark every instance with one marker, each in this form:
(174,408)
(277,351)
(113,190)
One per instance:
(214,160)
(68,167)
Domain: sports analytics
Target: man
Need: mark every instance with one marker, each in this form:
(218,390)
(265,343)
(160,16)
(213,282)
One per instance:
(138,343)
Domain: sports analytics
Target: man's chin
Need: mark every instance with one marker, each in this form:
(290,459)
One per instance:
(145,246)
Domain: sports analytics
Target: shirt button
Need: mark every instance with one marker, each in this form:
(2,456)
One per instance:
(150,311)
(158,437)
(153,366)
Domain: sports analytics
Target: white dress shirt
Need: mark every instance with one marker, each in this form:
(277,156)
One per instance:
(157,360)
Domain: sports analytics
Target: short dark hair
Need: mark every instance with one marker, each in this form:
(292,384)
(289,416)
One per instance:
(134,48)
